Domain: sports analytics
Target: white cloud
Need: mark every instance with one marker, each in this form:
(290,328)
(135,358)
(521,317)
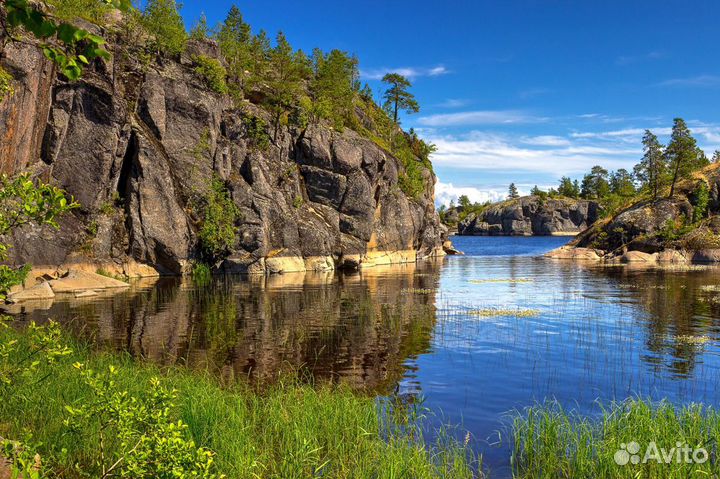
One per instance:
(447,192)
(697,81)
(409,72)
(546,140)
(453,103)
(486,117)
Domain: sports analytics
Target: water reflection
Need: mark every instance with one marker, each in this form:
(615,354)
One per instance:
(599,333)
(357,329)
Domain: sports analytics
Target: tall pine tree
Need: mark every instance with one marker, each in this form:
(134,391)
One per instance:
(681,153)
(652,170)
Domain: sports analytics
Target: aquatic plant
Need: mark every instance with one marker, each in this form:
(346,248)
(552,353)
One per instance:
(552,442)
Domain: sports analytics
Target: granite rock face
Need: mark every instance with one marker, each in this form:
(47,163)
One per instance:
(135,146)
(531,215)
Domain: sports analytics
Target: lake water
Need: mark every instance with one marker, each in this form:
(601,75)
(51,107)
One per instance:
(476,336)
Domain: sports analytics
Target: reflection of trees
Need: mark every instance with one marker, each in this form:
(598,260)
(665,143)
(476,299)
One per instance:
(681,314)
(358,329)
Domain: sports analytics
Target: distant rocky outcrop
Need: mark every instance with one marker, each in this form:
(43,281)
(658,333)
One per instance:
(531,215)
(684,228)
(136,143)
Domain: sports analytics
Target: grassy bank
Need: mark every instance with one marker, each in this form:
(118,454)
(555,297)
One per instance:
(78,410)
(550,442)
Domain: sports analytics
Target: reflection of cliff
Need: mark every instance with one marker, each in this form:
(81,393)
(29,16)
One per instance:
(358,329)
(683,312)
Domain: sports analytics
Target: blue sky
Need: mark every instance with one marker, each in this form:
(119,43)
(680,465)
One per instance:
(522,91)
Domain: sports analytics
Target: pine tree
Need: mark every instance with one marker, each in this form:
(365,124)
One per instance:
(332,88)
(162,20)
(234,39)
(716,156)
(287,71)
(621,183)
(651,172)
(595,185)
(681,153)
(200,31)
(397,97)
(568,188)
(513,192)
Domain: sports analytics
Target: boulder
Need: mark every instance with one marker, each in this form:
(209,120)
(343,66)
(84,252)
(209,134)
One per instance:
(41,291)
(672,256)
(577,254)
(638,257)
(76,281)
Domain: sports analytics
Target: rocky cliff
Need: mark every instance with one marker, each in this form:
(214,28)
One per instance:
(136,142)
(531,215)
(681,228)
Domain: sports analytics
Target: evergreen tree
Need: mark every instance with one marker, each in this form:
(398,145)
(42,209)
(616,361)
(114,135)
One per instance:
(568,188)
(333,86)
(513,191)
(651,172)
(681,153)
(200,31)
(287,71)
(162,20)
(234,38)
(595,185)
(621,183)
(258,60)
(716,156)
(397,97)
(464,202)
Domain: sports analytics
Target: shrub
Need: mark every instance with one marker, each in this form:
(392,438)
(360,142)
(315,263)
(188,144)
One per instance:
(257,132)
(6,84)
(91,10)
(212,72)
(702,199)
(219,214)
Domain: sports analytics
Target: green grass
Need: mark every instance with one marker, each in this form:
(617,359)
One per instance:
(550,442)
(288,430)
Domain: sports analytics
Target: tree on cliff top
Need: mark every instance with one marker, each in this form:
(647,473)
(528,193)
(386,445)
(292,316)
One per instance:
(652,169)
(397,97)
(162,20)
(200,30)
(513,192)
(568,188)
(595,185)
(682,153)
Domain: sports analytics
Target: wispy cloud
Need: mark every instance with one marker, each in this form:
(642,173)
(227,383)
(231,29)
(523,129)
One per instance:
(453,103)
(696,81)
(624,60)
(409,72)
(546,140)
(485,117)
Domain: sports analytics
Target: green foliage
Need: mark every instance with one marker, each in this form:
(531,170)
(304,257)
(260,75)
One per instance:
(71,48)
(513,191)
(162,20)
(568,188)
(23,201)
(200,31)
(6,84)
(201,273)
(701,201)
(397,97)
(137,435)
(595,185)
(212,72)
(257,132)
(333,87)
(551,442)
(289,430)
(91,10)
(681,153)
(298,201)
(219,215)
(622,184)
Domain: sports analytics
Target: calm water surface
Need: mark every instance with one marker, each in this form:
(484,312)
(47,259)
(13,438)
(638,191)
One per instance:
(597,333)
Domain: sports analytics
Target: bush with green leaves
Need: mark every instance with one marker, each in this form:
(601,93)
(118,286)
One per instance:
(6,84)
(69,47)
(212,72)
(701,201)
(137,435)
(24,201)
(218,230)
(257,132)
